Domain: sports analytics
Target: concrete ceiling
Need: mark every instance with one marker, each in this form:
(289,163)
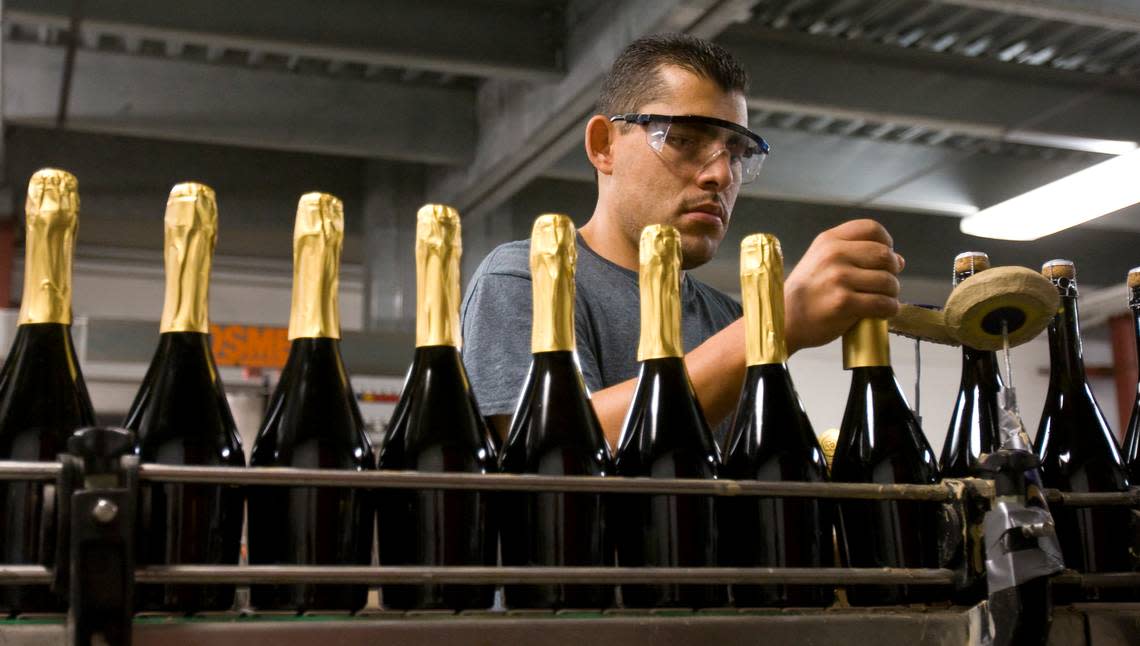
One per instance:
(912,111)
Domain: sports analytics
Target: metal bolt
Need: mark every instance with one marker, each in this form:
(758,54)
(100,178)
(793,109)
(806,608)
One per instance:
(1033,530)
(105,511)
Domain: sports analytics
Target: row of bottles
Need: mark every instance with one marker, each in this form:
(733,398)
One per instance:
(180,416)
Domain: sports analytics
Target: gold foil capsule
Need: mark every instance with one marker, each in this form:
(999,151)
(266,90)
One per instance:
(439,247)
(866,344)
(553,255)
(52,220)
(318,236)
(659,280)
(762,297)
(190,232)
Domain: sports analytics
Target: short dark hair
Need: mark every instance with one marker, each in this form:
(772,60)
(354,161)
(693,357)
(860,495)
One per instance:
(634,80)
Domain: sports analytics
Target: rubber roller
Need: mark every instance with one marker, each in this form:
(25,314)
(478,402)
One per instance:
(1021,298)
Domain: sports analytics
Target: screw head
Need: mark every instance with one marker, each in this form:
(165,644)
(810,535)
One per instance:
(105,511)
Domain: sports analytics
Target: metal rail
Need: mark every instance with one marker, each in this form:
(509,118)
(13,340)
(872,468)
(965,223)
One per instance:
(276,574)
(1128,498)
(25,574)
(367,575)
(1099,579)
(12,470)
(281,476)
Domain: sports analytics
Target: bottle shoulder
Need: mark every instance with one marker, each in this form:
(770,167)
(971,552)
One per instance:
(182,402)
(1076,445)
(313,420)
(770,431)
(879,439)
(42,361)
(665,433)
(437,424)
(554,428)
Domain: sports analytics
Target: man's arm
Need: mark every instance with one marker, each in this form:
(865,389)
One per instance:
(848,273)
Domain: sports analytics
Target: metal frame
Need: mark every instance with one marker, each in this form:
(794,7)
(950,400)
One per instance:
(108,541)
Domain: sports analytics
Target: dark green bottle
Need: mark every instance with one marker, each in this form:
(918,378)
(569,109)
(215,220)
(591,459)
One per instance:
(665,436)
(181,417)
(881,442)
(1079,453)
(772,439)
(437,427)
(313,422)
(43,398)
(555,432)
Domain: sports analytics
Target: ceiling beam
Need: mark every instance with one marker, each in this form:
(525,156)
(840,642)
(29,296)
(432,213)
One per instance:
(525,129)
(1117,15)
(520,41)
(857,81)
(189,101)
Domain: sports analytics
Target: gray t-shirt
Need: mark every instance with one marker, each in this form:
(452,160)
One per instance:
(497,322)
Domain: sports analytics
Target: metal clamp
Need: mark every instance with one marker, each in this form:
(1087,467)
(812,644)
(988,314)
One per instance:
(95,564)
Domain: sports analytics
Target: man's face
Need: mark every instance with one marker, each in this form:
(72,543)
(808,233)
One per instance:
(648,190)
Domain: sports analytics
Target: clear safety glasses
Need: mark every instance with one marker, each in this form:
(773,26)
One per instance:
(690,143)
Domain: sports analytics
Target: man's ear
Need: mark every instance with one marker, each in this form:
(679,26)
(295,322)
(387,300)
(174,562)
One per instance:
(599,143)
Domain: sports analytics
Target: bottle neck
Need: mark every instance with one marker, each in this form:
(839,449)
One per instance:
(437,292)
(185,308)
(552,286)
(47,270)
(867,344)
(980,366)
(879,381)
(315,311)
(660,286)
(1134,303)
(1066,358)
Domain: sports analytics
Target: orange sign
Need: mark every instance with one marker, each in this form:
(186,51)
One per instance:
(250,345)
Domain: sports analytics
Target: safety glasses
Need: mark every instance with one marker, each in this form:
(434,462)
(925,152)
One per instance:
(690,143)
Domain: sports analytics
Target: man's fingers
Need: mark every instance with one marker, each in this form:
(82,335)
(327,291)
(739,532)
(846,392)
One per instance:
(868,255)
(864,229)
(875,306)
(871,281)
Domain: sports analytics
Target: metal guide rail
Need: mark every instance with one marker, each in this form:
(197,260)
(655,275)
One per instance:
(96,484)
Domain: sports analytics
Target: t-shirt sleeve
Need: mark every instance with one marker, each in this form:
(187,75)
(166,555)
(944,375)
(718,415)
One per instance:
(496,340)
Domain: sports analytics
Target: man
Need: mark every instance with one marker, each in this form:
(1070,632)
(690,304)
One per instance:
(686,173)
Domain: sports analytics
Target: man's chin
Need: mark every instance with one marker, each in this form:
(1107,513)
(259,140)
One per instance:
(697,250)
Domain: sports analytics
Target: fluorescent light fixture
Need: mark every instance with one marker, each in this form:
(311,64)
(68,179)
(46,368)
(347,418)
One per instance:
(1085,195)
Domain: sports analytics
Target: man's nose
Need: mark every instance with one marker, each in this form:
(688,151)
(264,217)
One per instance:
(717,172)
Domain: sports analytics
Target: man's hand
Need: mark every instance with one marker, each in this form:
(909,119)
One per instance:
(848,273)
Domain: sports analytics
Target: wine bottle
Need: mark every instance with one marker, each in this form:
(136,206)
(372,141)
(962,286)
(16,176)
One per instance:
(1132,437)
(974,423)
(43,398)
(772,439)
(436,427)
(881,442)
(665,435)
(181,416)
(312,422)
(555,432)
(1078,452)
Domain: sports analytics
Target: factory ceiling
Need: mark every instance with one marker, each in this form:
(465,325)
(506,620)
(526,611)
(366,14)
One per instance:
(917,112)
